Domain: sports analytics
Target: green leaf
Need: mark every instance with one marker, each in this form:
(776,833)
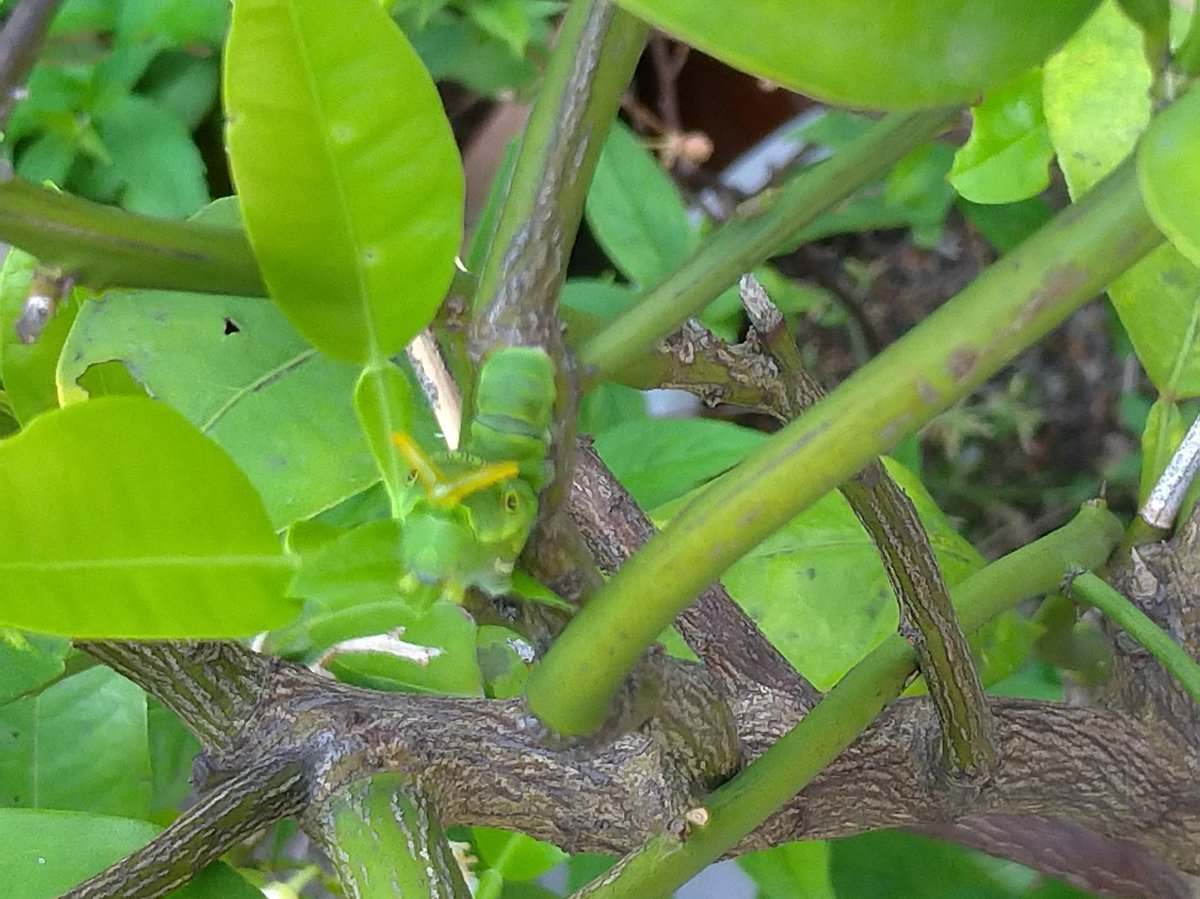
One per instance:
(1097,105)
(793,869)
(153,154)
(356,235)
(41,765)
(27,370)
(785,583)
(27,661)
(45,853)
(1158,301)
(504,20)
(895,863)
(383,400)
(120,520)
(1006,225)
(1008,155)
(635,212)
(172,750)
(238,371)
(1169,176)
(445,627)
(659,459)
(1162,435)
(1095,95)
(514,855)
(875,53)
(172,22)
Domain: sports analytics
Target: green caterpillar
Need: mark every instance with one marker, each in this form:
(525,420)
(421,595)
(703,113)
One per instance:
(466,515)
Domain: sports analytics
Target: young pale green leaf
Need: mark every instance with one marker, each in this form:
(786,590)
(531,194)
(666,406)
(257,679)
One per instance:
(1162,435)
(1007,157)
(1097,104)
(45,853)
(1158,301)
(349,178)
(40,762)
(1095,95)
(120,520)
(635,212)
(874,53)
(383,400)
(1169,175)
(239,372)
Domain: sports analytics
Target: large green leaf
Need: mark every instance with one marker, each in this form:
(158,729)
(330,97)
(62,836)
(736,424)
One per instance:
(1097,104)
(349,178)
(45,853)
(239,372)
(877,53)
(120,520)
(80,745)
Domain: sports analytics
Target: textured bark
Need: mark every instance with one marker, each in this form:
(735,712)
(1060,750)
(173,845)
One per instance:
(1124,768)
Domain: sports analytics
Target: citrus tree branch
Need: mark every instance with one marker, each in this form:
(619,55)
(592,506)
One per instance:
(1011,305)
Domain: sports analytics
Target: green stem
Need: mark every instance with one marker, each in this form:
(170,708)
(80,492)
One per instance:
(745,242)
(102,246)
(1141,627)
(598,47)
(384,839)
(1007,308)
(666,861)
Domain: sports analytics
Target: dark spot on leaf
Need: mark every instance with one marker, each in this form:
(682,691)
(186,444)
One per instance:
(812,573)
(231,327)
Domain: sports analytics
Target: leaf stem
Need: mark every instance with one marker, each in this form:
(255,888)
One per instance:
(667,860)
(1011,305)
(1122,612)
(746,241)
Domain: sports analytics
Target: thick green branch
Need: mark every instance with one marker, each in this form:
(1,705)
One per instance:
(746,241)
(673,856)
(102,247)
(1011,305)
(598,47)
(384,839)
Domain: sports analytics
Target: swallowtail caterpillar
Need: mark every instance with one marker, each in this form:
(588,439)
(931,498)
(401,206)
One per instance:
(467,514)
